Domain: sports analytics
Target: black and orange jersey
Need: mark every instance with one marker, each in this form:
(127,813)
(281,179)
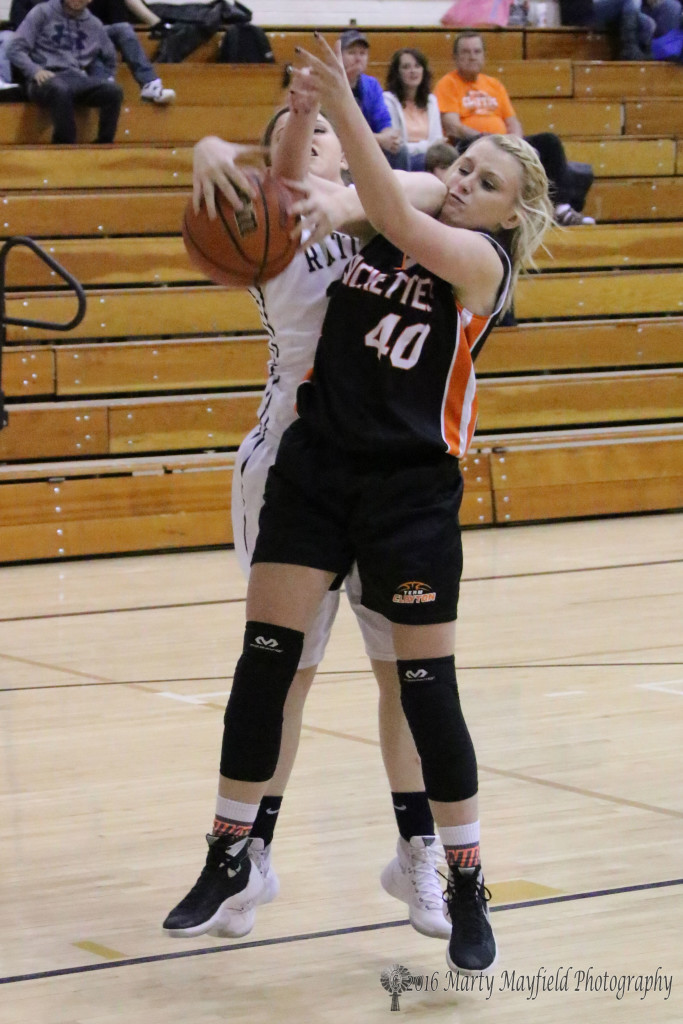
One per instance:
(393,371)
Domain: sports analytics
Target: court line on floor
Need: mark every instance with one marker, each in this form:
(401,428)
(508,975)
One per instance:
(504,773)
(519,776)
(594,794)
(326,674)
(241,600)
(565,659)
(118,611)
(331,933)
(98,680)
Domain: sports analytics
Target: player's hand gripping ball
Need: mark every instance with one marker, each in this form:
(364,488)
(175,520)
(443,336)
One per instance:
(242,248)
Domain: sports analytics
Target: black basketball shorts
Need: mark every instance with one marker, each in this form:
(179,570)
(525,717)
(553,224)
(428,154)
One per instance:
(399,522)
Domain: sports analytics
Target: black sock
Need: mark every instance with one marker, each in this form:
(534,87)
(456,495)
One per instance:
(413,814)
(266,819)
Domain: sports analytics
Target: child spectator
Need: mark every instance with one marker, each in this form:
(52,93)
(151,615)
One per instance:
(116,16)
(55,48)
(439,158)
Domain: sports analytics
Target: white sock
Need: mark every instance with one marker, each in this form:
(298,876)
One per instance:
(233,820)
(461,844)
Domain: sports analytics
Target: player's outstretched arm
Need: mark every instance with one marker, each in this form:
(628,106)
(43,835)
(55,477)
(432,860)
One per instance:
(462,257)
(291,157)
(326,206)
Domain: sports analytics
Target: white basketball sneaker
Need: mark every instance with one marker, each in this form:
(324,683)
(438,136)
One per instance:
(234,924)
(412,876)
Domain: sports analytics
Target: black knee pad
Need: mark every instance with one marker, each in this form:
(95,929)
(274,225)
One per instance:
(429,695)
(253,716)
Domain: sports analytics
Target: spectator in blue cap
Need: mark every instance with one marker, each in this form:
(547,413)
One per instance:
(370,97)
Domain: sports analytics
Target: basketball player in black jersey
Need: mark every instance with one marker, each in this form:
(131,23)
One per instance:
(369,473)
(292,307)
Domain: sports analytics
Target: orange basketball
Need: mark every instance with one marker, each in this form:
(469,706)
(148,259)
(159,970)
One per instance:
(246,247)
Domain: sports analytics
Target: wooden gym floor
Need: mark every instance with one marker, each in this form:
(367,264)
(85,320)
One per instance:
(113,680)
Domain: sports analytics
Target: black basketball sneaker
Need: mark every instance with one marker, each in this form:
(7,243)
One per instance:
(472,946)
(228,884)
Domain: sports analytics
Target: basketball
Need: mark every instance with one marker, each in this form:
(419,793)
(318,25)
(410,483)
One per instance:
(246,247)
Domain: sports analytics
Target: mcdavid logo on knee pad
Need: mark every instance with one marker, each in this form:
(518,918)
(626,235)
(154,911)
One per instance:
(417,675)
(262,643)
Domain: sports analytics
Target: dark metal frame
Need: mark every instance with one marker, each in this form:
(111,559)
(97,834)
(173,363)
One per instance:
(21,322)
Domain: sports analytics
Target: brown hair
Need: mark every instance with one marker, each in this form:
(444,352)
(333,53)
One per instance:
(395,85)
(534,207)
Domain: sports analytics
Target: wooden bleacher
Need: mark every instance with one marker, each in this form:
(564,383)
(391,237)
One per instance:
(553,475)
(57,509)
(162,259)
(122,432)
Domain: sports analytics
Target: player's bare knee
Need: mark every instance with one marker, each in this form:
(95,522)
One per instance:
(386,674)
(302,682)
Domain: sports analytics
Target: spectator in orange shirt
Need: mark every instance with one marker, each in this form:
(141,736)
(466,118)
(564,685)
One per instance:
(472,104)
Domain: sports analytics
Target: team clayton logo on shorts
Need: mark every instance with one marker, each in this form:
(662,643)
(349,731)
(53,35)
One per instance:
(414,593)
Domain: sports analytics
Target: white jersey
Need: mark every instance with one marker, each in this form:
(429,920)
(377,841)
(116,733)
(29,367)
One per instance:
(292,308)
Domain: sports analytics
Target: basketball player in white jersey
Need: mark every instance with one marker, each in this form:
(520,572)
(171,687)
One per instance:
(292,307)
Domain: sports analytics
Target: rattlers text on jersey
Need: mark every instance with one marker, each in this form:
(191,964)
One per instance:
(292,306)
(394,371)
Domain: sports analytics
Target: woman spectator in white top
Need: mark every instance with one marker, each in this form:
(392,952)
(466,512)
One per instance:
(413,107)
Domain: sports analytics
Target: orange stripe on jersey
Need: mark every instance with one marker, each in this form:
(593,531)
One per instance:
(459,407)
